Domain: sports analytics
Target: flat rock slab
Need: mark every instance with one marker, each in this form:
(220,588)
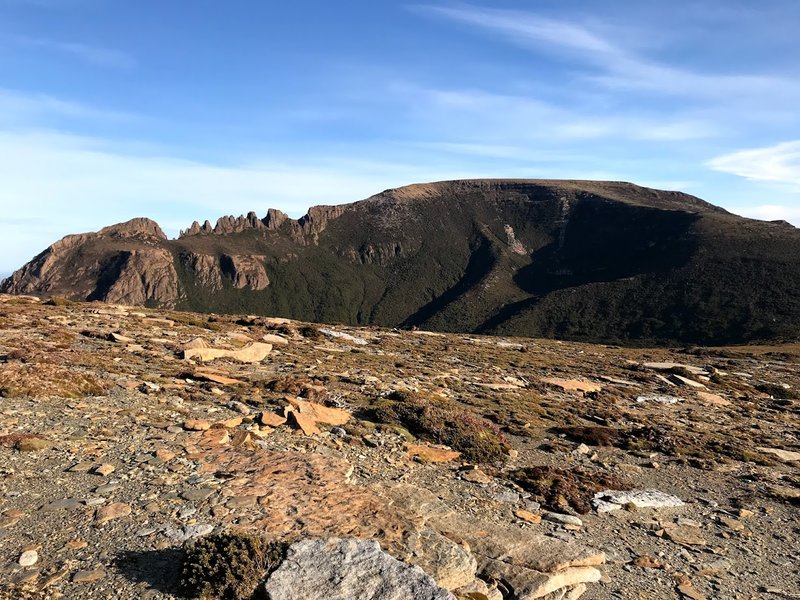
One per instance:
(318,412)
(345,569)
(573,385)
(713,399)
(215,377)
(784,455)
(432,454)
(609,500)
(668,366)
(680,380)
(658,399)
(255,352)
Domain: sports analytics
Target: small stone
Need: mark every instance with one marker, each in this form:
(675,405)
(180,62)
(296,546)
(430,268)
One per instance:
(216,436)
(231,423)
(731,523)
(239,407)
(76,545)
(196,425)
(430,453)
(528,516)
(105,469)
(65,504)
(686,536)
(95,574)
(648,562)
(164,454)
(149,388)
(476,476)
(81,467)
(107,488)
(270,419)
(28,558)
(561,518)
(113,511)
(240,501)
(196,531)
(197,494)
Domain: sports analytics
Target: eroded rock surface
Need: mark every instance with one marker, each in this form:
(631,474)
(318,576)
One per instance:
(115,452)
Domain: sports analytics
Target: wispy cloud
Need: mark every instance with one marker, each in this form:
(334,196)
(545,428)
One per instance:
(615,67)
(779,163)
(489,116)
(18,107)
(95,55)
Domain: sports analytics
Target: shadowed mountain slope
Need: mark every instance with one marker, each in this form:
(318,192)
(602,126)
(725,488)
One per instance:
(572,259)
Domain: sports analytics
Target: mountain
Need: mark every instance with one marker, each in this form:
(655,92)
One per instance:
(580,260)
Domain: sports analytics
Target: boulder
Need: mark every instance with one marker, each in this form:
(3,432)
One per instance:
(344,569)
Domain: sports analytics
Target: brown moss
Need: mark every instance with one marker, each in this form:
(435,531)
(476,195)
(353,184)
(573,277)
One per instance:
(297,386)
(778,391)
(593,435)
(41,380)
(229,566)
(443,422)
(309,332)
(562,489)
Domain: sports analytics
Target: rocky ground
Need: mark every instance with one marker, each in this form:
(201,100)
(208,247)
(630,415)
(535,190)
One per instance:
(127,433)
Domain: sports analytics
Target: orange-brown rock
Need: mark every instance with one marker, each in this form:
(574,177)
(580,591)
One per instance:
(306,423)
(215,377)
(573,385)
(255,352)
(318,412)
(431,453)
(271,419)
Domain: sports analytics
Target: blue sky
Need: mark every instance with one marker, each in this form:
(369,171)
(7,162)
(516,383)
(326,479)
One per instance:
(192,109)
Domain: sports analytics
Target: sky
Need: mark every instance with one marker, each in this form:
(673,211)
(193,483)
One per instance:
(189,110)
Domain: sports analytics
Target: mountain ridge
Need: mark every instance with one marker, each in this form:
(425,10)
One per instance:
(608,261)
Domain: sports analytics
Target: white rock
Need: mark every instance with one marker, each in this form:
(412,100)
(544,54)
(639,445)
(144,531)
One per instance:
(658,398)
(784,455)
(28,558)
(344,336)
(614,499)
(563,519)
(346,569)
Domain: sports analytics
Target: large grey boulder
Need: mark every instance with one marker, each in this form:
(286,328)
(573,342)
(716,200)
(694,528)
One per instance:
(348,569)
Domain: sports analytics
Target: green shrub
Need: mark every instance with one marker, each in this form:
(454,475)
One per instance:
(229,566)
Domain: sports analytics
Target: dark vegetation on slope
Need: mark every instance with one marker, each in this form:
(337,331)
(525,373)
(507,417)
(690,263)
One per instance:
(593,261)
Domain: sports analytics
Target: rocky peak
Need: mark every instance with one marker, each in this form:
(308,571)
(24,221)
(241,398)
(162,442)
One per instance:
(317,218)
(138,227)
(230,224)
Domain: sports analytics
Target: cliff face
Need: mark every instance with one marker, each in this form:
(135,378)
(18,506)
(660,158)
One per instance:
(583,260)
